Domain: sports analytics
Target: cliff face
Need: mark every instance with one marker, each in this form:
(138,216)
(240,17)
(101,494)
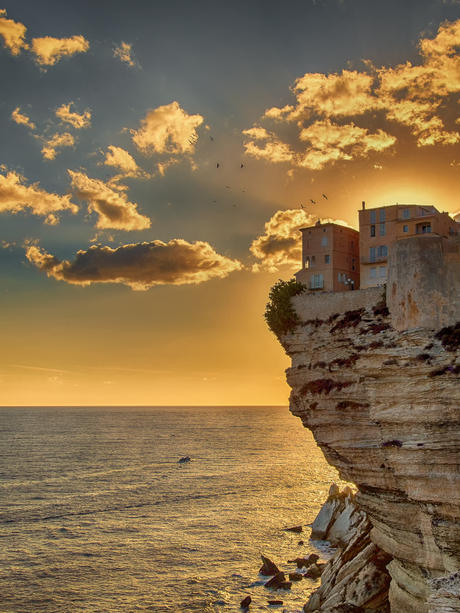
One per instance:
(384,406)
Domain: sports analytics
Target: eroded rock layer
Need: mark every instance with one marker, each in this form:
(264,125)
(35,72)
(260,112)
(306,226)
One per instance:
(384,406)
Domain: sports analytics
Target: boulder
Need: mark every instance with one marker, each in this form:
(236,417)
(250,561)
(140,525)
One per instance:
(268,567)
(294,529)
(246,602)
(286,585)
(305,562)
(295,577)
(314,572)
(275,582)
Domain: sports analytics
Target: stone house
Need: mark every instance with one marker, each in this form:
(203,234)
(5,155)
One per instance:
(330,258)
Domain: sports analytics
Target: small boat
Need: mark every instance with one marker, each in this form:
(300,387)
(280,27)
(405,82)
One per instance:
(186,458)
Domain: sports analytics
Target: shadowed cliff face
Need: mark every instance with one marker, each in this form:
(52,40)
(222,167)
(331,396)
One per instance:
(384,406)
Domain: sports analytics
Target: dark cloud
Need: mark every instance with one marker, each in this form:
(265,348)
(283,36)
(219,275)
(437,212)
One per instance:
(140,265)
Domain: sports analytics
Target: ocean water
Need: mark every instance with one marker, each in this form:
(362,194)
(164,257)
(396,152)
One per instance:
(98,515)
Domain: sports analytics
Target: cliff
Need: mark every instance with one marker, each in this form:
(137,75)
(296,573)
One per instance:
(384,406)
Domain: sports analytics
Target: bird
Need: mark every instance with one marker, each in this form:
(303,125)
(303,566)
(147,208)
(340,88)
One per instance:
(312,201)
(302,206)
(211,138)
(242,166)
(228,186)
(324,196)
(218,164)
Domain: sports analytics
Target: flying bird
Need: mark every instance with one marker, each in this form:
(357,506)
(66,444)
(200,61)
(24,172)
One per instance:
(324,196)
(218,165)
(242,166)
(312,201)
(211,138)
(302,206)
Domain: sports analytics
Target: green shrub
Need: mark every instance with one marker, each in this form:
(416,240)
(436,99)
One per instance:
(279,313)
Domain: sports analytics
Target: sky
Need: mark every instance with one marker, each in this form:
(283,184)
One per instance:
(158,159)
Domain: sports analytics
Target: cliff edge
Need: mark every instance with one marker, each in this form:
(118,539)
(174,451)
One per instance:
(384,406)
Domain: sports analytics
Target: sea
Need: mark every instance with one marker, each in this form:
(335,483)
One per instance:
(98,513)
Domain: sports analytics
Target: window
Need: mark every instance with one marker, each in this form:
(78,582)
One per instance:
(353,264)
(324,241)
(383,271)
(426,229)
(382,229)
(373,217)
(373,273)
(406,213)
(307,262)
(327,259)
(352,244)
(406,229)
(313,260)
(382,251)
(382,215)
(372,254)
(317,281)
(342,277)
(372,230)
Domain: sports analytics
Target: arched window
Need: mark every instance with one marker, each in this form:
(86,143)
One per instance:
(313,260)
(307,262)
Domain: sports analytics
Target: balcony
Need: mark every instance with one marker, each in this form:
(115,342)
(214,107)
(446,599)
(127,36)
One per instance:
(368,260)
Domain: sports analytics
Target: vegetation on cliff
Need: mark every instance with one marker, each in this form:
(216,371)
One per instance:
(279,313)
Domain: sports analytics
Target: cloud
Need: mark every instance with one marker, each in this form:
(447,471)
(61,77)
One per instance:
(328,109)
(273,150)
(111,205)
(58,141)
(13,34)
(15,196)
(140,266)
(281,245)
(22,119)
(75,119)
(123,52)
(50,50)
(167,129)
(121,159)
(331,142)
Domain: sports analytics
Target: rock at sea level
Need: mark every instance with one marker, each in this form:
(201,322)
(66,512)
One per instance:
(268,567)
(245,602)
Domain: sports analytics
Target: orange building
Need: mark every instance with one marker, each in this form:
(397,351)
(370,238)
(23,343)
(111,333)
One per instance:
(378,228)
(330,258)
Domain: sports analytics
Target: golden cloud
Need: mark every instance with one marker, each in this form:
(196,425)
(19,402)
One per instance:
(121,159)
(123,52)
(13,34)
(407,95)
(58,141)
(50,50)
(334,95)
(167,129)
(140,265)
(75,119)
(281,245)
(111,205)
(15,196)
(22,119)
(273,150)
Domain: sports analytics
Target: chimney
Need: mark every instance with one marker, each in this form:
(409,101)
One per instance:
(364,205)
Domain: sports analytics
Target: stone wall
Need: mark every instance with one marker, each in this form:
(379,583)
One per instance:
(321,306)
(424,282)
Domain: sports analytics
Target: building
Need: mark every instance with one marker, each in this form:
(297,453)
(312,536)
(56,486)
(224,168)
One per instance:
(330,258)
(380,227)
